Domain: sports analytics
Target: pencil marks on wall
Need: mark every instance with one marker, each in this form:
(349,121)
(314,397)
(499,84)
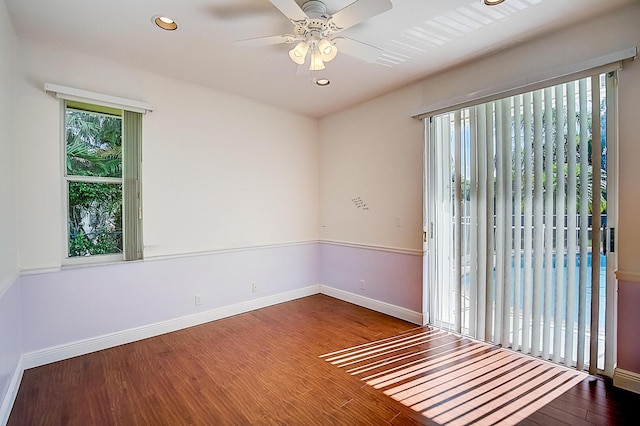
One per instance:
(360,204)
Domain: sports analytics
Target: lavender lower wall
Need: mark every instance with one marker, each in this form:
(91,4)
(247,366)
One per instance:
(82,303)
(628,322)
(10,342)
(389,276)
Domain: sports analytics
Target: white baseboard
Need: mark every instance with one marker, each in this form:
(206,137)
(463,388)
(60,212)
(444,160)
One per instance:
(376,305)
(628,380)
(12,392)
(69,350)
(82,347)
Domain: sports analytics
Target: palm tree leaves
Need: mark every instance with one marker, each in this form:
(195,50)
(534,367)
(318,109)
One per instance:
(94,144)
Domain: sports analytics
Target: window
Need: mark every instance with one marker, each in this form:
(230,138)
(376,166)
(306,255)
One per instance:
(102,186)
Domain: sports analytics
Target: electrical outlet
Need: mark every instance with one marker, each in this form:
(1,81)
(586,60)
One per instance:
(197,300)
(362,285)
(254,287)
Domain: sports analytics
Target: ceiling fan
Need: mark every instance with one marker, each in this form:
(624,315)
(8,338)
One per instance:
(315,32)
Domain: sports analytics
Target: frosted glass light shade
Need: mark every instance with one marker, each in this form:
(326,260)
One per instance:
(328,50)
(299,53)
(316,62)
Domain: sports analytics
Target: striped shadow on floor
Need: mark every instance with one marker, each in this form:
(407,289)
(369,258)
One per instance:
(454,380)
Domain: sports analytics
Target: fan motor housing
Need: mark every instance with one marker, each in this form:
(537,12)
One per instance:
(314,8)
(320,26)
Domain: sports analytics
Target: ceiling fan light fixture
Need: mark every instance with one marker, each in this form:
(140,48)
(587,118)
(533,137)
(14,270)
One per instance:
(328,50)
(315,30)
(316,63)
(299,53)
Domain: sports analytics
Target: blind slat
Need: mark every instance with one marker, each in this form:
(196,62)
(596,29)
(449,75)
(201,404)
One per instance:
(538,215)
(528,224)
(490,292)
(483,224)
(132,135)
(571,227)
(507,292)
(549,144)
(517,225)
(458,221)
(596,158)
(584,224)
(501,224)
(474,225)
(558,317)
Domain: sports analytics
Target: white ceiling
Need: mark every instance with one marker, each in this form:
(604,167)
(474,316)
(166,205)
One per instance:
(419,37)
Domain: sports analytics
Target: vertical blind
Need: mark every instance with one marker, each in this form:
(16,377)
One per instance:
(132,135)
(517,198)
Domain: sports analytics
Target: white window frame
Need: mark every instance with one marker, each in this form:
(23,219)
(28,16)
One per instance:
(66,180)
(100,100)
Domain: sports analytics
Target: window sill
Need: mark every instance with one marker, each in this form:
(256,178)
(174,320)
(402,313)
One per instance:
(88,261)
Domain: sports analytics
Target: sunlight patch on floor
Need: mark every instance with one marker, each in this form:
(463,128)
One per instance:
(454,380)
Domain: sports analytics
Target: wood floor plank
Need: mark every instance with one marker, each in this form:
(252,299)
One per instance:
(265,368)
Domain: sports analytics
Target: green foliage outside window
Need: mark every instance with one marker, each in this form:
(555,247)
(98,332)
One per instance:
(95,218)
(94,144)
(94,150)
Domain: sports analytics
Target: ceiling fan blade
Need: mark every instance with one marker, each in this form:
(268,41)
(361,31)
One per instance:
(357,49)
(290,9)
(358,11)
(265,41)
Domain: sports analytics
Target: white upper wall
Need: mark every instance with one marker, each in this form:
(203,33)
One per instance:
(8,218)
(374,150)
(372,154)
(219,171)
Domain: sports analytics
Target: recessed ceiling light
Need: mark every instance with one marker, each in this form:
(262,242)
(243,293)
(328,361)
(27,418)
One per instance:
(165,23)
(323,82)
(492,2)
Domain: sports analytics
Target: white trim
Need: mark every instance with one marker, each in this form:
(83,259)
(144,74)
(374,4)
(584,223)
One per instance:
(82,347)
(38,271)
(628,276)
(64,186)
(613,204)
(627,380)
(6,284)
(93,179)
(605,63)
(412,252)
(228,250)
(67,266)
(12,392)
(72,94)
(376,305)
(93,260)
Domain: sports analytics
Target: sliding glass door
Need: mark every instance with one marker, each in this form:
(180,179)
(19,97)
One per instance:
(520,222)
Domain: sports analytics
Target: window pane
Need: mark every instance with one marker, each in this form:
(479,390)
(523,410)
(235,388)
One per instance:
(93,144)
(95,218)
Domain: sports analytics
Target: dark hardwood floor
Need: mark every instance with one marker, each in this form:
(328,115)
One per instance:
(262,367)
